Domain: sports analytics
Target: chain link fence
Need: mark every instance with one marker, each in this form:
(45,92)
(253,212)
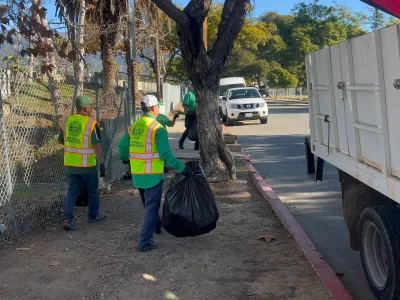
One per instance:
(33,183)
(290,93)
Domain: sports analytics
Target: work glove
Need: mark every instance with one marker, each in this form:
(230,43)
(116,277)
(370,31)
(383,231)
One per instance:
(176,116)
(102,170)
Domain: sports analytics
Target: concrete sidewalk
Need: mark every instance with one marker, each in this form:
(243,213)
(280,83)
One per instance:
(174,134)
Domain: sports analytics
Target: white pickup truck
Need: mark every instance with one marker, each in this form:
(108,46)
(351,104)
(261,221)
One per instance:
(354,104)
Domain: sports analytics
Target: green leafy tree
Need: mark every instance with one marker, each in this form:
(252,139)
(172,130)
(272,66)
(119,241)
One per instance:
(281,78)
(377,20)
(392,21)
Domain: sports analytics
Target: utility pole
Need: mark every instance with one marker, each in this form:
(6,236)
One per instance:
(132,58)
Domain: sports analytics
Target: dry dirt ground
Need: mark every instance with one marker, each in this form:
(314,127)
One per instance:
(99,261)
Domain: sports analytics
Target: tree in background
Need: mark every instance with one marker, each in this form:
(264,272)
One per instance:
(392,21)
(377,20)
(310,27)
(111,15)
(281,78)
(205,68)
(73,14)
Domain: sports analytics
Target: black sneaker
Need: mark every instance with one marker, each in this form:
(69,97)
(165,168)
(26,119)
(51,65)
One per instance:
(181,146)
(97,219)
(148,247)
(67,224)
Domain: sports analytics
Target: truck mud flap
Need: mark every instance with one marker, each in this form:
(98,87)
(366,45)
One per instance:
(315,173)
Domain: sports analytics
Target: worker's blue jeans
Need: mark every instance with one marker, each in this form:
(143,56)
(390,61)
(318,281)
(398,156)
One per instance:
(75,182)
(152,200)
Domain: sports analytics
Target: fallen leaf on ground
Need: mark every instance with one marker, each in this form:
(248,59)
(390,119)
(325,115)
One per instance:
(267,238)
(149,277)
(54,263)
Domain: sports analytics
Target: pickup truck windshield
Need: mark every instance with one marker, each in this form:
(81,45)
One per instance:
(224,88)
(244,93)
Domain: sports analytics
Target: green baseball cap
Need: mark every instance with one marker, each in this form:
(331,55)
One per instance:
(82,101)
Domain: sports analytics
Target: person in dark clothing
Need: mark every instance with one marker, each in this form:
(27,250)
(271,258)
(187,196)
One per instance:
(189,104)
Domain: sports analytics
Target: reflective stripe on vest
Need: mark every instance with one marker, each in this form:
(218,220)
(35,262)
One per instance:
(143,154)
(78,150)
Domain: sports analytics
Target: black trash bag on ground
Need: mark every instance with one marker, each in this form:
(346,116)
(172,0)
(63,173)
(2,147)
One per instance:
(189,207)
(83,198)
(192,134)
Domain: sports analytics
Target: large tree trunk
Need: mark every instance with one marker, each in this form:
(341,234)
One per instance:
(214,153)
(205,68)
(108,40)
(109,68)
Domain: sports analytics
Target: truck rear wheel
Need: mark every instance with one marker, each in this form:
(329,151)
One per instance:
(379,232)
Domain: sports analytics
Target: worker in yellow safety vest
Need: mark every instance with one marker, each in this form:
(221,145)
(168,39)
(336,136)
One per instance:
(149,149)
(80,136)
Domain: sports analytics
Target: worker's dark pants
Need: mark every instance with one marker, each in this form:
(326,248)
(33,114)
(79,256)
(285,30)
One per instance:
(75,182)
(151,199)
(189,121)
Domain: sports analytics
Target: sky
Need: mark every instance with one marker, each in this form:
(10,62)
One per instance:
(262,6)
(285,6)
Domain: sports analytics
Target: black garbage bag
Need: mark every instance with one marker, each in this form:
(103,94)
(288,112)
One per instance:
(83,198)
(192,134)
(189,207)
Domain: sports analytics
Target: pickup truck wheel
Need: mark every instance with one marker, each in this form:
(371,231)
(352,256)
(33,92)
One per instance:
(264,121)
(379,233)
(229,122)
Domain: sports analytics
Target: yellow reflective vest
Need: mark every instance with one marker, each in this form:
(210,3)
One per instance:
(143,154)
(78,149)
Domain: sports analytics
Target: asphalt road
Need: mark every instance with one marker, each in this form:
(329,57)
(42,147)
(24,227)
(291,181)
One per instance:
(277,151)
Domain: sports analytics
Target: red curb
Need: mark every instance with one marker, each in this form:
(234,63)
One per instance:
(325,273)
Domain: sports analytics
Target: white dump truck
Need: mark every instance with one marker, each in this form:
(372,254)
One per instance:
(354,104)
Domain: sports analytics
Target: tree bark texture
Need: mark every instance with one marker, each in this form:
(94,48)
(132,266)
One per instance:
(204,69)
(108,56)
(108,41)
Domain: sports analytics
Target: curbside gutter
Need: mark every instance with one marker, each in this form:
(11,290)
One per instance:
(328,277)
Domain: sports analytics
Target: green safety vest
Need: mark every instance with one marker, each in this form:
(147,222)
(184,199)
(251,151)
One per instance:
(143,154)
(78,149)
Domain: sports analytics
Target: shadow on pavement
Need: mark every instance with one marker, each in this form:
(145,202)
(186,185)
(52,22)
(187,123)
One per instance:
(316,206)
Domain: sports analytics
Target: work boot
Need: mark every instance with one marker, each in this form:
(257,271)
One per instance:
(196,146)
(181,146)
(147,247)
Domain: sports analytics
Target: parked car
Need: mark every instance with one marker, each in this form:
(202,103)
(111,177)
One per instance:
(226,84)
(241,104)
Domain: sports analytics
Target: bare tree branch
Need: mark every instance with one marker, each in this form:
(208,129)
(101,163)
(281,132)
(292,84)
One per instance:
(232,21)
(151,61)
(173,12)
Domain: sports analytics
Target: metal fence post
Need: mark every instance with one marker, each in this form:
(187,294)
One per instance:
(97,87)
(6,166)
